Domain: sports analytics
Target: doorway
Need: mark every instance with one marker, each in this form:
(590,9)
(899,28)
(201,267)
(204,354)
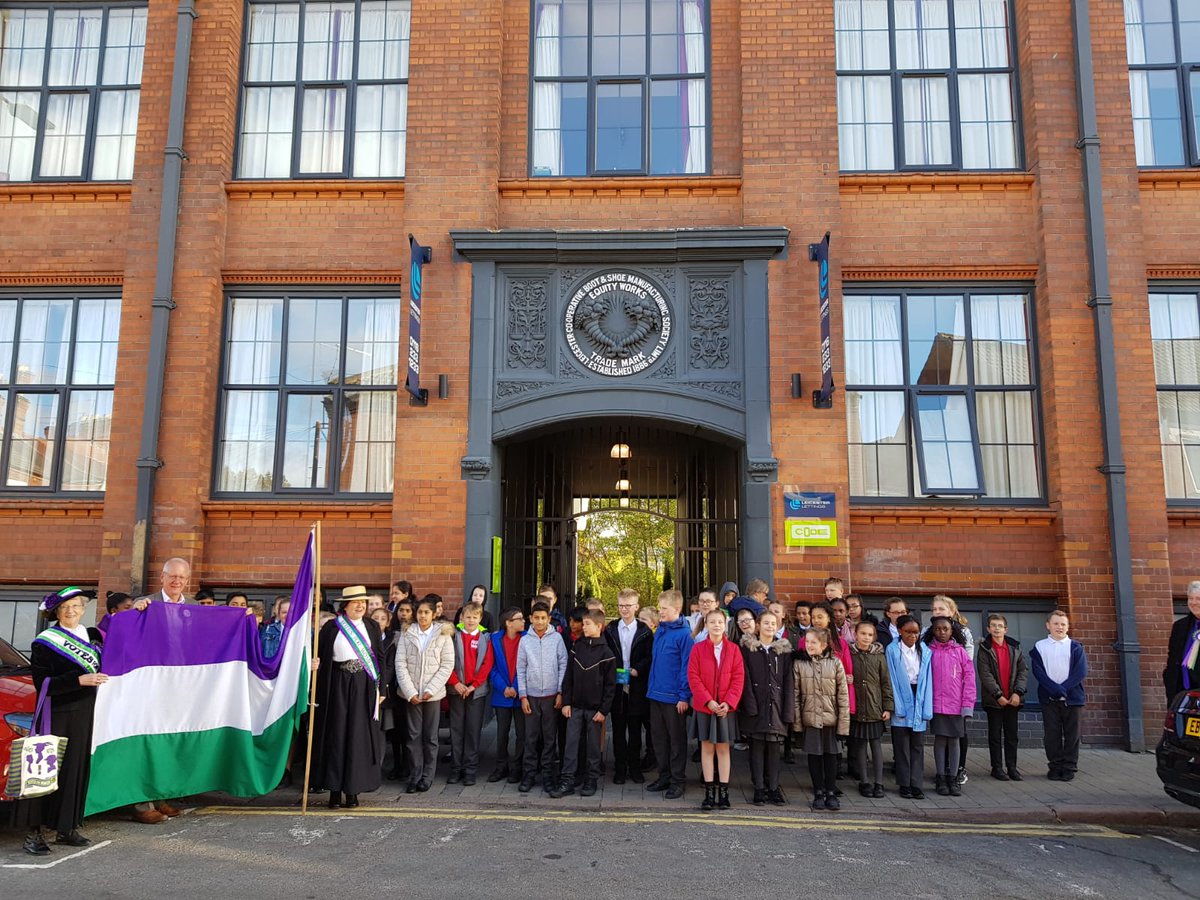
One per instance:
(588,503)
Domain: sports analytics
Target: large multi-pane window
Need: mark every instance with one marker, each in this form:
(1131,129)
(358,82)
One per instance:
(1175,331)
(309,394)
(620,87)
(70,79)
(58,361)
(941,395)
(325,89)
(1162,42)
(925,84)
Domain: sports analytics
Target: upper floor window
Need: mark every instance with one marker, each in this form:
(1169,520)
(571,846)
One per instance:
(1162,41)
(58,361)
(325,89)
(925,84)
(941,395)
(620,87)
(1175,332)
(70,81)
(309,395)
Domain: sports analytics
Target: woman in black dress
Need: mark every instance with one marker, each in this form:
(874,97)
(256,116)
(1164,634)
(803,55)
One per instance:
(348,739)
(67,655)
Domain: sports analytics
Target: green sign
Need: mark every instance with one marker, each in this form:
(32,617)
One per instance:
(810,532)
(497,560)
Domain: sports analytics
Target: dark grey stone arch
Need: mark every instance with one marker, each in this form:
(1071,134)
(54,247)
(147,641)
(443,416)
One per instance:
(714,374)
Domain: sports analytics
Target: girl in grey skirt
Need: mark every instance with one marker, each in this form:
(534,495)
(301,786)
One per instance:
(716,675)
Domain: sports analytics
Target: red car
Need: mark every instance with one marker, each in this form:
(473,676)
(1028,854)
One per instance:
(17,700)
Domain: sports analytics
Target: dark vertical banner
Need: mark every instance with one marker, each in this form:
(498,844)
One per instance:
(819,253)
(412,382)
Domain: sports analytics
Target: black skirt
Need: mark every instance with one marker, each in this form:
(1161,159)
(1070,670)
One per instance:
(865,731)
(63,810)
(349,754)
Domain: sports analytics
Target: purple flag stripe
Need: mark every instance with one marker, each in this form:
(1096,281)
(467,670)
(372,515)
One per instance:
(169,634)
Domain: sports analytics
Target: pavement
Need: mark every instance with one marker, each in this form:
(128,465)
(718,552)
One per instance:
(1113,788)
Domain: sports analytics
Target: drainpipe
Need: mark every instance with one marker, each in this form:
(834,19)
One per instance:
(148,462)
(1110,416)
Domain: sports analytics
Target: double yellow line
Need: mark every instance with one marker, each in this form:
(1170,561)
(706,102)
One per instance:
(723,820)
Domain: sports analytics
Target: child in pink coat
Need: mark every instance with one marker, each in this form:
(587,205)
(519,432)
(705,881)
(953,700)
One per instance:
(953,699)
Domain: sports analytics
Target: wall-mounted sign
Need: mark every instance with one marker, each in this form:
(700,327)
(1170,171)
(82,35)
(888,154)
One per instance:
(617,323)
(497,564)
(819,253)
(419,256)
(810,532)
(809,505)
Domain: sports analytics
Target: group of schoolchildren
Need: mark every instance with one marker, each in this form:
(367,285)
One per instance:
(736,673)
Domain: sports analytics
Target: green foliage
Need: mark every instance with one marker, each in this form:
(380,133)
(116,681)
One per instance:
(625,548)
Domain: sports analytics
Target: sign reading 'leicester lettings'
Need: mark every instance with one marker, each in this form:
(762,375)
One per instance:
(809,505)
(617,323)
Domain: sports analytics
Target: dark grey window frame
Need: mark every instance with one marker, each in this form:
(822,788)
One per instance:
(1183,72)
(953,497)
(93,91)
(646,81)
(1159,287)
(299,85)
(283,390)
(898,75)
(62,391)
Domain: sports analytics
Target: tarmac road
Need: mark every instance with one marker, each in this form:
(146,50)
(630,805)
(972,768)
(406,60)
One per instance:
(274,853)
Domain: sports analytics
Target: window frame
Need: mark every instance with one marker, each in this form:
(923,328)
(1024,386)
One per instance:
(646,81)
(916,480)
(62,391)
(1162,287)
(897,76)
(92,91)
(282,391)
(1183,75)
(299,85)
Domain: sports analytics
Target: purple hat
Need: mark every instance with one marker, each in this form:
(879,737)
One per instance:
(51,601)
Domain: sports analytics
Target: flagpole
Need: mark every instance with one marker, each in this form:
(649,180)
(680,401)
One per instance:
(312,672)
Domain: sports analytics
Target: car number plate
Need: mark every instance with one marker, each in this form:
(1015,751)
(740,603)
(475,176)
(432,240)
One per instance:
(1192,726)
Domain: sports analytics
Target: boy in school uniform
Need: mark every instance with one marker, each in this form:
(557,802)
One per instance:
(541,665)
(631,642)
(588,689)
(1003,676)
(467,690)
(1059,666)
(670,695)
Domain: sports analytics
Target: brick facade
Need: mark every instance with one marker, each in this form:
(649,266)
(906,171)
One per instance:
(774,162)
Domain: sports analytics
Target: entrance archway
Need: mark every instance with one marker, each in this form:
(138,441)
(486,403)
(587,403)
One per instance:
(555,479)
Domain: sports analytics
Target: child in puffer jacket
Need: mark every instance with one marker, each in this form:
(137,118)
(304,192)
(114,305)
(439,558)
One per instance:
(953,699)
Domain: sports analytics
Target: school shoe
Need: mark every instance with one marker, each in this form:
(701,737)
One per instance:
(943,789)
(74,839)
(35,844)
(563,789)
(1066,775)
(709,803)
(916,794)
(526,785)
(454,777)
(832,802)
(877,792)
(1014,774)
(999,774)
(865,790)
(351,801)
(723,795)
(955,790)
(1054,775)
(423,786)
(498,774)
(335,799)
(619,778)
(659,784)
(514,777)
(412,788)
(776,797)
(674,792)
(818,801)
(589,788)
(961,778)
(760,797)
(905,792)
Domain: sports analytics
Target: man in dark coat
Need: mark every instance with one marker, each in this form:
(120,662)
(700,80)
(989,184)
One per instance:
(632,644)
(1183,648)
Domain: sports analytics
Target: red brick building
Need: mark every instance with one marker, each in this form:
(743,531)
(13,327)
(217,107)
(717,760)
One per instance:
(692,149)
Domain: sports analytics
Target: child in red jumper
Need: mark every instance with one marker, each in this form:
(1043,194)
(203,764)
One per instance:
(468,694)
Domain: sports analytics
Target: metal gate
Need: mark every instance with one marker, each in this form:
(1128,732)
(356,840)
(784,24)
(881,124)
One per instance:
(555,477)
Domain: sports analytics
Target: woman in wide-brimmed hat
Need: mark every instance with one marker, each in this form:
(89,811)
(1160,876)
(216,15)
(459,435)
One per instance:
(348,739)
(67,655)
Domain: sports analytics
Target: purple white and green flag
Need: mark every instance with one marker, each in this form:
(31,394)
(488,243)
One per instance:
(191,704)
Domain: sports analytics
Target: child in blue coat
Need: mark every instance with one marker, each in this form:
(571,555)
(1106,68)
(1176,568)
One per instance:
(506,699)
(912,689)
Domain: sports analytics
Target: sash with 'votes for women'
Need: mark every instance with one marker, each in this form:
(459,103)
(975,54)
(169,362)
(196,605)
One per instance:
(83,653)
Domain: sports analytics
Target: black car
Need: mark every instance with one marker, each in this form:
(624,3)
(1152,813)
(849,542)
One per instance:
(1179,750)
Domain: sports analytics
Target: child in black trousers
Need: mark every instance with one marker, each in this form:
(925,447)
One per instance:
(587,693)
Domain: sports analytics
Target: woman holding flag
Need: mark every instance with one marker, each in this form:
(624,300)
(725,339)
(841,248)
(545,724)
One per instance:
(66,664)
(348,740)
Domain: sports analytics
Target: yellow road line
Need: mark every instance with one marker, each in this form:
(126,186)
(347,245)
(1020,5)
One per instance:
(616,817)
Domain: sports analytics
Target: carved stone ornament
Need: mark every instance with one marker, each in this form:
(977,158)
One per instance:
(527,318)
(731,389)
(506,389)
(477,468)
(708,306)
(617,323)
(762,469)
